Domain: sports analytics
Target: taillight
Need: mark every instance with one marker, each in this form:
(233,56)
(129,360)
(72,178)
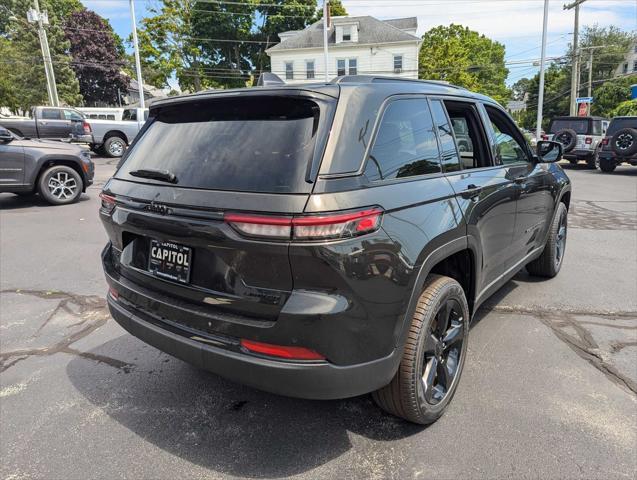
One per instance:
(309,227)
(588,140)
(108,203)
(86,127)
(605,141)
(291,353)
(545,137)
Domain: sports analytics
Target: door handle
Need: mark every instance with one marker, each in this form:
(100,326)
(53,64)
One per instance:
(471,191)
(519,180)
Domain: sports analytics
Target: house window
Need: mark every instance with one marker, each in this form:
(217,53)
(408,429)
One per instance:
(340,67)
(289,70)
(347,33)
(635,50)
(352,66)
(309,69)
(635,66)
(625,69)
(398,63)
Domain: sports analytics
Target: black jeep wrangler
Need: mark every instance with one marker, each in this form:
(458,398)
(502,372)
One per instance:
(328,240)
(619,145)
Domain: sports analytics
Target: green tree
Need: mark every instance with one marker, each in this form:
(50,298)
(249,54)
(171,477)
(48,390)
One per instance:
(521,88)
(627,108)
(336,9)
(556,96)
(274,17)
(611,93)
(27,72)
(466,58)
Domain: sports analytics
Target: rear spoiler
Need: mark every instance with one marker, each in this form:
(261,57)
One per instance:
(268,78)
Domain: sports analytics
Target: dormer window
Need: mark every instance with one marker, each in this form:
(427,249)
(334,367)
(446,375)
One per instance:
(347,33)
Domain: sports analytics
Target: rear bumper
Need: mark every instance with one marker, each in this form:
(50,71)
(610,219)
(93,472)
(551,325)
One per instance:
(578,154)
(82,138)
(223,355)
(312,380)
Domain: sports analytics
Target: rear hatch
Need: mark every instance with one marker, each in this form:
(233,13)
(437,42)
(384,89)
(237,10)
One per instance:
(196,163)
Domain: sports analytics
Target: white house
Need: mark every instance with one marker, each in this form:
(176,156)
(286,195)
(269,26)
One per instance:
(357,45)
(629,65)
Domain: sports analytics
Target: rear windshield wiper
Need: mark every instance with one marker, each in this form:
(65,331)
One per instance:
(163,175)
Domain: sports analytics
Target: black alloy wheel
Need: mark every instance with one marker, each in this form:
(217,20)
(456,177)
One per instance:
(442,351)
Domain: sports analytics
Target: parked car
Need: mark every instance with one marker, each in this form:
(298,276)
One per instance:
(52,123)
(111,138)
(58,171)
(579,136)
(328,240)
(619,145)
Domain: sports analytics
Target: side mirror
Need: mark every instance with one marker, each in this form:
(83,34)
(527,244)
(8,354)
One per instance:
(549,151)
(5,135)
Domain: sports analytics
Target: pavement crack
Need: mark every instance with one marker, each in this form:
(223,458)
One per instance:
(582,343)
(91,313)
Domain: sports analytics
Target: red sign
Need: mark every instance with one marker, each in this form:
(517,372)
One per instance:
(582,110)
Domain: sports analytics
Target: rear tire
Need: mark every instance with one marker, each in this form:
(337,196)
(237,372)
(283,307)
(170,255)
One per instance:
(60,185)
(114,147)
(607,166)
(550,262)
(433,357)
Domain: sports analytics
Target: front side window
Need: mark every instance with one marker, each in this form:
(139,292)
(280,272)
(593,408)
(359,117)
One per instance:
(405,145)
(289,70)
(398,63)
(309,69)
(340,67)
(508,143)
(129,115)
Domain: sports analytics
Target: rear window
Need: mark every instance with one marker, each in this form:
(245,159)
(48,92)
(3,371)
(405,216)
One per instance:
(619,123)
(580,126)
(251,144)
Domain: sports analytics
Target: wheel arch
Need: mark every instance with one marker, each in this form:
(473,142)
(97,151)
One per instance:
(115,133)
(50,162)
(456,259)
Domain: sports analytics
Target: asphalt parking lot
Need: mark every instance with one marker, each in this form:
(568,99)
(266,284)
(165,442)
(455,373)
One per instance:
(549,389)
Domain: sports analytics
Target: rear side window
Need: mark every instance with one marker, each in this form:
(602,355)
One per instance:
(619,123)
(580,126)
(50,114)
(405,145)
(251,144)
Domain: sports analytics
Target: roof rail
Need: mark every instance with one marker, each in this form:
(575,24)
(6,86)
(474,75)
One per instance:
(383,79)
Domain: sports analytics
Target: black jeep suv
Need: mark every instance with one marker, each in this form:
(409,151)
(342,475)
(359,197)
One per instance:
(329,240)
(619,145)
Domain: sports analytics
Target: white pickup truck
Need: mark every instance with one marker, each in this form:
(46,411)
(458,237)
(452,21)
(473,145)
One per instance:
(112,137)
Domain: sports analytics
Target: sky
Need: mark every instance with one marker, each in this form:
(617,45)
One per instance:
(515,23)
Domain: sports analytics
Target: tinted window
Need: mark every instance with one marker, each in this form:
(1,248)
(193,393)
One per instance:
(580,126)
(253,144)
(405,144)
(50,114)
(619,123)
(509,146)
(449,154)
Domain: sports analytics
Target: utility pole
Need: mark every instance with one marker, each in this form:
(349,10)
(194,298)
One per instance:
(138,63)
(41,18)
(540,96)
(575,60)
(326,19)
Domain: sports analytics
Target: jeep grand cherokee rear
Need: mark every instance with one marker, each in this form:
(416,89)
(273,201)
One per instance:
(329,240)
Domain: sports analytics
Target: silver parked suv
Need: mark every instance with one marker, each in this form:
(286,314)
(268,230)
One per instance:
(580,136)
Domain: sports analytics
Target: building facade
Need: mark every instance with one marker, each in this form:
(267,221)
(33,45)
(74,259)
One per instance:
(356,45)
(629,65)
